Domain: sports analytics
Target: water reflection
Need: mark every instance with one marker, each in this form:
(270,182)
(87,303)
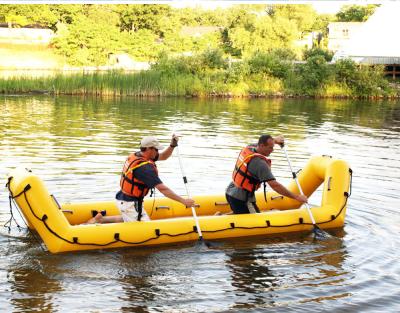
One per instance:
(32,289)
(72,142)
(254,282)
(32,285)
(136,283)
(267,273)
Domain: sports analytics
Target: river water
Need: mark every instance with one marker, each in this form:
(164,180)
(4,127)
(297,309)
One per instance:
(77,146)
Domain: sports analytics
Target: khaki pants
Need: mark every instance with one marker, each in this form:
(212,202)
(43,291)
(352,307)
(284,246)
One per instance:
(129,211)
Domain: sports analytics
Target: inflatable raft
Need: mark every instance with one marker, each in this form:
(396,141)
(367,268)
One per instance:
(61,229)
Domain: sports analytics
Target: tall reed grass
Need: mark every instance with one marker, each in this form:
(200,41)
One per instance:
(203,83)
(113,83)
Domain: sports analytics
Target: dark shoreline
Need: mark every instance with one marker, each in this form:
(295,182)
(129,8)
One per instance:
(210,96)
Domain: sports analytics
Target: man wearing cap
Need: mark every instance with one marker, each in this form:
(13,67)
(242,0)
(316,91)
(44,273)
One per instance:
(253,168)
(139,175)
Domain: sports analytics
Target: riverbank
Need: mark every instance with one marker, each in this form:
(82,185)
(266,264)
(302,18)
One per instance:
(173,79)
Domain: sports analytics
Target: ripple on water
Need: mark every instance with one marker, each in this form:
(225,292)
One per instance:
(71,142)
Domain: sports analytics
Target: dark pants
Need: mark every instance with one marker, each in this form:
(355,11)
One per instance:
(239,206)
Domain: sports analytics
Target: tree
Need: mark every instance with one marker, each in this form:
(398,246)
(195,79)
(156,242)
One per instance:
(355,13)
(66,13)
(240,16)
(142,45)
(239,39)
(142,16)
(23,15)
(207,41)
(86,42)
(303,15)
(266,33)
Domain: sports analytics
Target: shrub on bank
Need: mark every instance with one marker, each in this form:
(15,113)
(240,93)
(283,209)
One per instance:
(362,80)
(309,53)
(268,63)
(310,78)
(236,72)
(336,90)
(264,85)
(209,74)
(213,59)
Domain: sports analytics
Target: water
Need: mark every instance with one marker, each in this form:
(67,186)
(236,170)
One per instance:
(78,145)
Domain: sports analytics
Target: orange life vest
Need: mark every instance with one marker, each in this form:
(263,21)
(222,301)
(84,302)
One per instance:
(130,185)
(241,176)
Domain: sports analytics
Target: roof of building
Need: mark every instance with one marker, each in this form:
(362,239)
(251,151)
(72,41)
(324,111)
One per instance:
(344,24)
(375,41)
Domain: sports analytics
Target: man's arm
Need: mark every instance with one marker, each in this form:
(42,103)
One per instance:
(165,154)
(172,195)
(279,188)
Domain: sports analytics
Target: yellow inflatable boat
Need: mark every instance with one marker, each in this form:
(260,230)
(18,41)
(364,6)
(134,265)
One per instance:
(60,227)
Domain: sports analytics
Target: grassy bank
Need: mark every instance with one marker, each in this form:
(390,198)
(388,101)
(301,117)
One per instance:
(25,56)
(263,75)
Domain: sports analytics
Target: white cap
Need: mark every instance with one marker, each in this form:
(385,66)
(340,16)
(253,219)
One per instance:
(150,142)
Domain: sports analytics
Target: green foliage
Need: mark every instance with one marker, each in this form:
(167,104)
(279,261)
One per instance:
(252,54)
(86,43)
(213,59)
(236,72)
(262,85)
(309,78)
(142,45)
(143,16)
(67,13)
(175,43)
(304,16)
(284,54)
(187,76)
(267,33)
(22,15)
(207,41)
(146,29)
(239,16)
(355,13)
(269,64)
(175,66)
(327,55)
(346,71)
(361,80)
(369,81)
(321,23)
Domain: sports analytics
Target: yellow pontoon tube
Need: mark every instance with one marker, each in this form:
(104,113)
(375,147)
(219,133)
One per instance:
(171,222)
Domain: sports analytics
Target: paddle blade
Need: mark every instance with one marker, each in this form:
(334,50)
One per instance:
(320,234)
(201,243)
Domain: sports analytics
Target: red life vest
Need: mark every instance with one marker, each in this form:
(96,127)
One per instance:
(241,176)
(130,185)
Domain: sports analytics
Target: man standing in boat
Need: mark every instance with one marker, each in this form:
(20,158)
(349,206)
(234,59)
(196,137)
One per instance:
(253,168)
(139,175)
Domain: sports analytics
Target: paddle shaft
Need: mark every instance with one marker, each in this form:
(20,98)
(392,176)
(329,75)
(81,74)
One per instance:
(298,184)
(188,194)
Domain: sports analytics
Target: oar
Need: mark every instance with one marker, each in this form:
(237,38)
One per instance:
(188,194)
(316,230)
